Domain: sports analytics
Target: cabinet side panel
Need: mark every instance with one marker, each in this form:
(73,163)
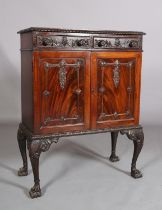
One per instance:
(27,89)
(26,41)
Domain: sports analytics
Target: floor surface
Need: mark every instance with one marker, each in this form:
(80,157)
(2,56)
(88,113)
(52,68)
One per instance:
(77,175)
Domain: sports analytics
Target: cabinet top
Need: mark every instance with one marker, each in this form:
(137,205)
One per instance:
(41,29)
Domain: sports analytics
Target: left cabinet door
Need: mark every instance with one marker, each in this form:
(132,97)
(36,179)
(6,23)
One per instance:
(61,91)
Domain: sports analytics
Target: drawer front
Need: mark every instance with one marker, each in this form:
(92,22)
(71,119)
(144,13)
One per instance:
(63,42)
(92,42)
(123,43)
(62,86)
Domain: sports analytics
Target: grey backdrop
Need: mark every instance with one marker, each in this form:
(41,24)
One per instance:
(86,14)
(139,15)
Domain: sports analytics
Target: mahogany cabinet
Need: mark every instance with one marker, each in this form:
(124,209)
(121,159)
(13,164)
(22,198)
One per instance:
(76,82)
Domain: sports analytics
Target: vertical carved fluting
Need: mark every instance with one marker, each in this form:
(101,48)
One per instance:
(114,136)
(137,136)
(35,148)
(21,138)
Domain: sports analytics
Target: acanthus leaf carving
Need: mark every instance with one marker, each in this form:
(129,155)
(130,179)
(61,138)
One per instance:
(63,41)
(116,73)
(62,70)
(62,74)
(114,42)
(40,145)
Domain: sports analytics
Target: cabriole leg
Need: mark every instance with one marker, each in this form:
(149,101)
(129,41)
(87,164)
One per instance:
(34,153)
(21,138)
(114,136)
(137,136)
(35,148)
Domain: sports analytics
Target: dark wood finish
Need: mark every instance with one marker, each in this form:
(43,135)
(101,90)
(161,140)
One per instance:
(113,156)
(27,100)
(78,82)
(61,110)
(137,136)
(110,105)
(21,137)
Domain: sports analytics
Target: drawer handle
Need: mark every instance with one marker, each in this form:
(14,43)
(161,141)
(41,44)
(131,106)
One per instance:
(133,44)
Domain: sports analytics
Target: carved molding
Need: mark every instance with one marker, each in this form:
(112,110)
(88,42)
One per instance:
(63,41)
(112,42)
(32,137)
(62,30)
(66,41)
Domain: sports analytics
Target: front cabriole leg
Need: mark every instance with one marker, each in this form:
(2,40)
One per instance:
(137,136)
(36,146)
(21,138)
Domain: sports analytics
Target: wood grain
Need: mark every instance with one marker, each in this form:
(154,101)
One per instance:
(115,106)
(60,110)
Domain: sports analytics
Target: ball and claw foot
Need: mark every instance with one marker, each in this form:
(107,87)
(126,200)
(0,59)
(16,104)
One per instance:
(23,171)
(114,158)
(135,173)
(35,191)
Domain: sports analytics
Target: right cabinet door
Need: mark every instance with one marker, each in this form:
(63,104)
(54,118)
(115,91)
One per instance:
(115,89)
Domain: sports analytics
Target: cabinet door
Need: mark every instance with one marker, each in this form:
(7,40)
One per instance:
(115,88)
(62,91)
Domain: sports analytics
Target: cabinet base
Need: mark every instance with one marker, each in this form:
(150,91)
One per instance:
(41,143)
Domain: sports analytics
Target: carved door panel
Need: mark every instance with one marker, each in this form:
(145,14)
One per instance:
(115,87)
(64,84)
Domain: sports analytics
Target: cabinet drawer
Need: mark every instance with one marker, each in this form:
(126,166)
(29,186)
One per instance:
(118,43)
(62,42)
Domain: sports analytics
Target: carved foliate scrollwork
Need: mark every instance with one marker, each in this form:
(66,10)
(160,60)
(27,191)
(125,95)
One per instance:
(134,134)
(80,42)
(112,42)
(63,42)
(116,73)
(62,74)
(62,70)
(40,145)
(35,147)
(116,70)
